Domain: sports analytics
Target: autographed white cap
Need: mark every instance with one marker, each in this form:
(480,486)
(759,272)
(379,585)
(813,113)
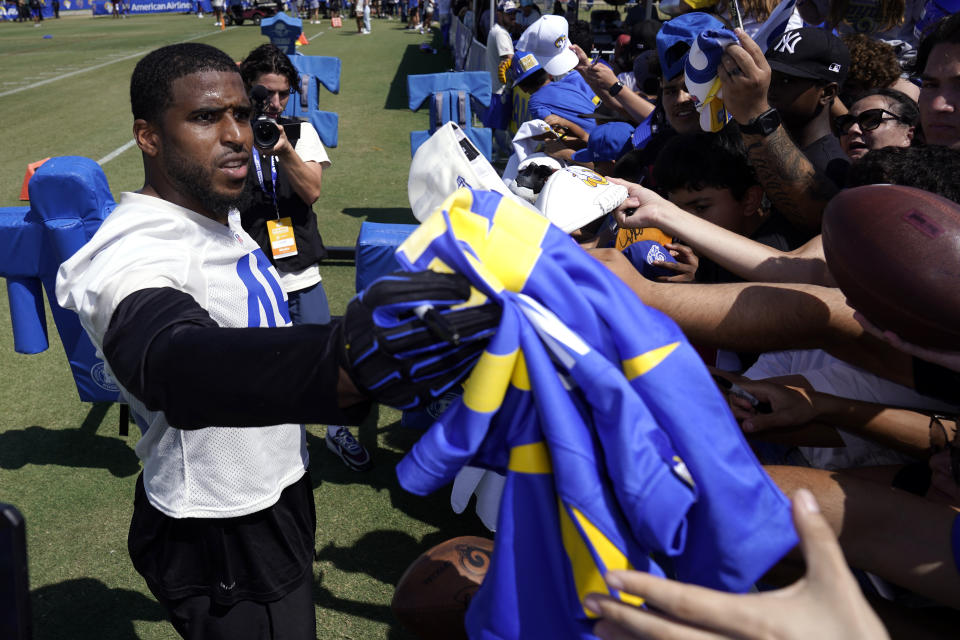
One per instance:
(576,196)
(547,40)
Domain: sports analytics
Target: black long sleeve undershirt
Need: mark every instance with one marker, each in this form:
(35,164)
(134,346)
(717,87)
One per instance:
(166,350)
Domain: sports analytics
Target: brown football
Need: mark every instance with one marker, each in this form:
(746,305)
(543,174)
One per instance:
(432,595)
(895,253)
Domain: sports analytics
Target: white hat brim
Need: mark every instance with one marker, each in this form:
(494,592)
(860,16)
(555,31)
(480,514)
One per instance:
(561,63)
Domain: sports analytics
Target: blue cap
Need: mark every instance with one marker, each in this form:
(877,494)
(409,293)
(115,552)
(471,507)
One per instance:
(524,64)
(643,253)
(607,142)
(682,30)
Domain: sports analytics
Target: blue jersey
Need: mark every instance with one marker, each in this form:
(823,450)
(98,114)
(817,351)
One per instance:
(568,97)
(614,439)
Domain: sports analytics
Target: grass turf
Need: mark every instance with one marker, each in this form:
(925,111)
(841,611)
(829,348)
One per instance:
(61,461)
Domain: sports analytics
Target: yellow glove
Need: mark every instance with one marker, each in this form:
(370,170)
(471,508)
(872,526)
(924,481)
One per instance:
(502,70)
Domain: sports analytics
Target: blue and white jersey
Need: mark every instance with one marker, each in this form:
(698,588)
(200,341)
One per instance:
(145,243)
(615,442)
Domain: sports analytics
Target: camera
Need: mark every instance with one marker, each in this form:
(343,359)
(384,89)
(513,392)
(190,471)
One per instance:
(266,131)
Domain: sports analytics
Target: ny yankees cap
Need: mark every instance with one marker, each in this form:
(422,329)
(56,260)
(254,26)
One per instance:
(810,53)
(547,40)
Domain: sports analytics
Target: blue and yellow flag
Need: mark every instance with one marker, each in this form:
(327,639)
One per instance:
(615,441)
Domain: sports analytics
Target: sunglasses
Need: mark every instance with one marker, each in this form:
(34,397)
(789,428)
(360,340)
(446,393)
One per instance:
(868,120)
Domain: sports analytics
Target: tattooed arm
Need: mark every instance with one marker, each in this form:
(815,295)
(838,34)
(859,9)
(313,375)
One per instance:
(790,181)
(797,190)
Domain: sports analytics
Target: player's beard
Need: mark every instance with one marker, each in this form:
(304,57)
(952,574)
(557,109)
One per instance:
(196,181)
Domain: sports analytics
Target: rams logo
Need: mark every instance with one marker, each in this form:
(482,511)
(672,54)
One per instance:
(588,177)
(560,42)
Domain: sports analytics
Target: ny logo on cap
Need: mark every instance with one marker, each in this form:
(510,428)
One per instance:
(835,67)
(788,42)
(559,42)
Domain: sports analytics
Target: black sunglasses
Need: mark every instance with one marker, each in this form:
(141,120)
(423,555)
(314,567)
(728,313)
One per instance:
(868,120)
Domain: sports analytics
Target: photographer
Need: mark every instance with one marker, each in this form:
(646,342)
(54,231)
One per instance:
(287,179)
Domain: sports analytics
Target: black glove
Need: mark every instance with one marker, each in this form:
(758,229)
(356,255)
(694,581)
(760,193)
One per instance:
(404,346)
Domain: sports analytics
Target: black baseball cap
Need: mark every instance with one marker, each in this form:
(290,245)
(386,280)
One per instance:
(810,53)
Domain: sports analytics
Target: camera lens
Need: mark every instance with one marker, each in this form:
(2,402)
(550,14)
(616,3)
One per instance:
(266,133)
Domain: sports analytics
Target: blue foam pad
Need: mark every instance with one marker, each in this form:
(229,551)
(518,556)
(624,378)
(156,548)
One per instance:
(325,71)
(473,83)
(21,243)
(376,246)
(69,198)
(283,31)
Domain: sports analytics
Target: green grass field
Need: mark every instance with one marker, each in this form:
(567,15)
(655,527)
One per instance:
(62,462)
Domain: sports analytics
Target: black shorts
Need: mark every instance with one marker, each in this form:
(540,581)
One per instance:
(293,616)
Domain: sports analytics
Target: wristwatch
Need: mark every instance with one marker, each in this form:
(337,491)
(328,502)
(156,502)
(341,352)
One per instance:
(615,88)
(764,124)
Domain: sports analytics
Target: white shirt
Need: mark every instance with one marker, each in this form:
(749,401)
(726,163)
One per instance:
(147,242)
(836,377)
(310,149)
(499,44)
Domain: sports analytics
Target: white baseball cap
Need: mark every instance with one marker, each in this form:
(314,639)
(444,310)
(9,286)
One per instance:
(576,196)
(547,40)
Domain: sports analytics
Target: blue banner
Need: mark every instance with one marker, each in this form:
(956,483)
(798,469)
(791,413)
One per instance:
(8,10)
(105,7)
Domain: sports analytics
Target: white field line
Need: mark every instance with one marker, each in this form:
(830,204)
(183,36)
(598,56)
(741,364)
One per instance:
(94,67)
(113,154)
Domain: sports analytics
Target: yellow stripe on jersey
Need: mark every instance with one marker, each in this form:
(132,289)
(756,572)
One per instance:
(530,458)
(521,379)
(641,364)
(439,266)
(420,240)
(484,390)
(586,574)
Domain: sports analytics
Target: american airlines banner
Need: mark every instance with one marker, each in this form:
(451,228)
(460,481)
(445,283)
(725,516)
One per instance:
(105,7)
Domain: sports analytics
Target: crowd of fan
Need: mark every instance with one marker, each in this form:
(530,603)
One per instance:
(850,94)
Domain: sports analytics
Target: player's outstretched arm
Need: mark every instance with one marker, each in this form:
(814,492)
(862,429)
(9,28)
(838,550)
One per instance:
(826,603)
(400,343)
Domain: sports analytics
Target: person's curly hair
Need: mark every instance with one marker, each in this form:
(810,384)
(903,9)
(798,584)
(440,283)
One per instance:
(929,167)
(873,64)
(268,58)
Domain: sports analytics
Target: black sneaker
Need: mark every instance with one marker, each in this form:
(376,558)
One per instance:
(346,447)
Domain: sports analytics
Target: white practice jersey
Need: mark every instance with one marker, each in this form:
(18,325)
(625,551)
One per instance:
(147,242)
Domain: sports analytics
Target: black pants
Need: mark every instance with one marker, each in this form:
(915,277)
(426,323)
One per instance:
(292,617)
